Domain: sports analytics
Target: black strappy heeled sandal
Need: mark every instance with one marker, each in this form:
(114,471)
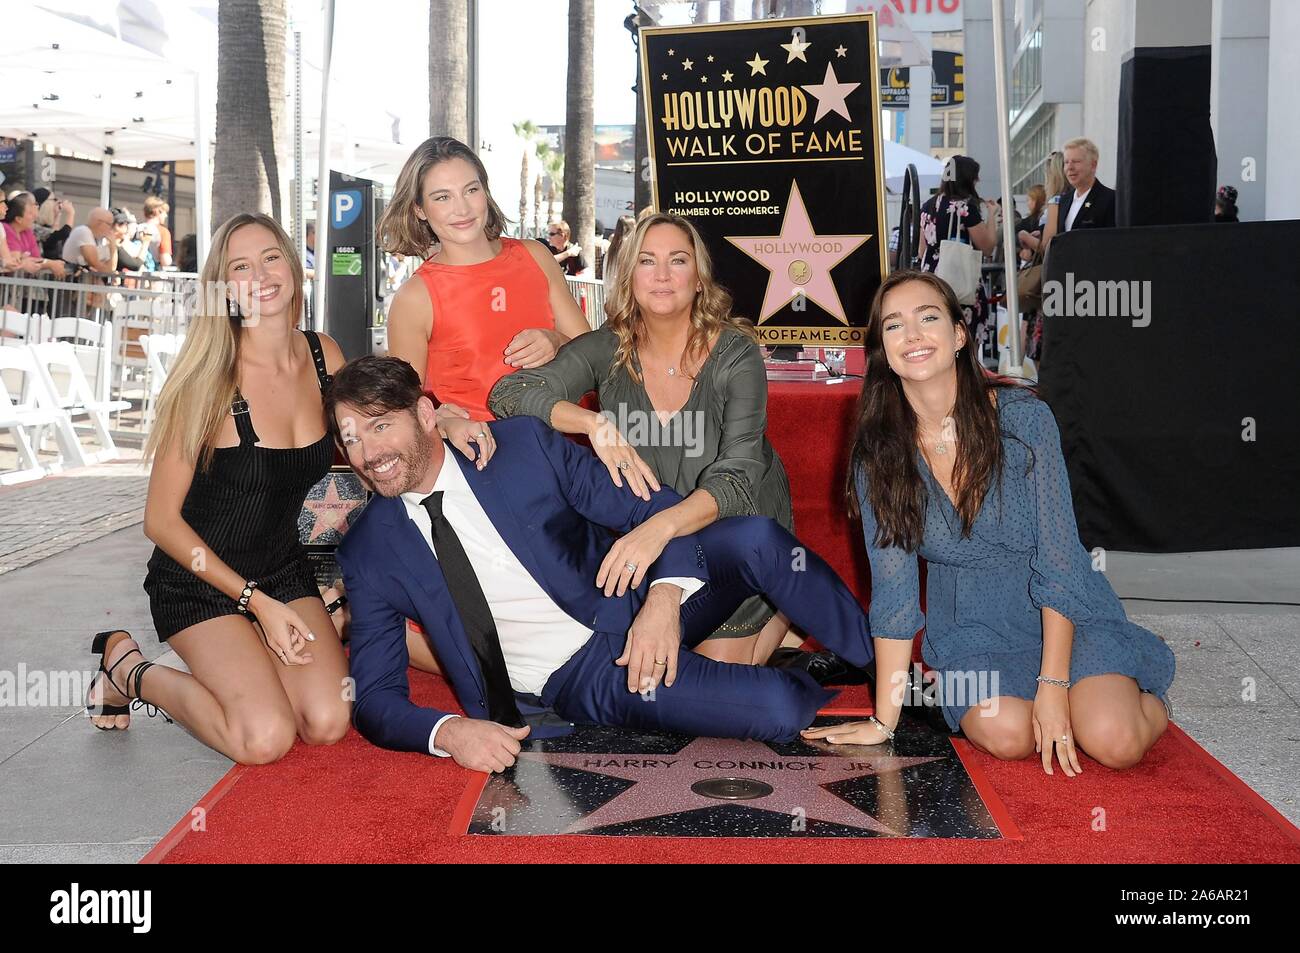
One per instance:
(100,645)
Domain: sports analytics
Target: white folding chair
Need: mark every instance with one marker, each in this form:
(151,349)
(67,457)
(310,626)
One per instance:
(93,344)
(28,418)
(57,361)
(130,320)
(159,349)
(19,330)
(39,328)
(14,327)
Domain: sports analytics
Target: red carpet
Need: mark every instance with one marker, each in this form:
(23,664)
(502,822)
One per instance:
(355,803)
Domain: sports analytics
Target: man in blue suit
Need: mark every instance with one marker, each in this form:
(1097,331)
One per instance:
(498,561)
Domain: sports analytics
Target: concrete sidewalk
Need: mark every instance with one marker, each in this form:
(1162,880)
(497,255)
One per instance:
(80,795)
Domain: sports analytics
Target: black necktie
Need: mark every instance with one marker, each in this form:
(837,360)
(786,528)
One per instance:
(475,616)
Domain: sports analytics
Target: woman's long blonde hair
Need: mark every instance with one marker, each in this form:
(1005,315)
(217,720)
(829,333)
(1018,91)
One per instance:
(201,383)
(1054,174)
(710,313)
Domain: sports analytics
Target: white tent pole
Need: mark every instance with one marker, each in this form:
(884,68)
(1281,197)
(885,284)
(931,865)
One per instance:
(106,172)
(202,185)
(1010,257)
(323,210)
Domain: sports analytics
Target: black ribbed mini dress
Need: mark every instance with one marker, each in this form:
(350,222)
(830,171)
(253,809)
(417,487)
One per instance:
(245,507)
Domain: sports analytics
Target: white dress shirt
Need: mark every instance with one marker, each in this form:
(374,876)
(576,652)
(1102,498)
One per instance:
(536,635)
(1075,206)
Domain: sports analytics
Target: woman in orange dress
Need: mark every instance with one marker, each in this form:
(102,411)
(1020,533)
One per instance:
(481,306)
(485,304)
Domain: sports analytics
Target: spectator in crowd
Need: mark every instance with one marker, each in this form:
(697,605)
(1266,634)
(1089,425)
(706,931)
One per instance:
(957,210)
(1054,184)
(609,268)
(1084,202)
(309,259)
(568,254)
(94,245)
(187,254)
(1225,205)
(133,246)
(1031,226)
(53,223)
(8,260)
(154,227)
(20,236)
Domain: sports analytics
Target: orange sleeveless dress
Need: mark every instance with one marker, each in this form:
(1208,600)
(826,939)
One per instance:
(477,311)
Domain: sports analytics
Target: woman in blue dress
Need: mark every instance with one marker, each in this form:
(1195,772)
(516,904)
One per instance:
(1031,647)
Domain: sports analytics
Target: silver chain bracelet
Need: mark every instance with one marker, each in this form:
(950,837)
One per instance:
(1059,683)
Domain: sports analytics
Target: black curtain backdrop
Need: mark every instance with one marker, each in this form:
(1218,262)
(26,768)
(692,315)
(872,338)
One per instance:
(1151,417)
(1165,163)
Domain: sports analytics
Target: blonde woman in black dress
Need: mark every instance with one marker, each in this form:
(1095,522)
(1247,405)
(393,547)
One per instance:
(239,440)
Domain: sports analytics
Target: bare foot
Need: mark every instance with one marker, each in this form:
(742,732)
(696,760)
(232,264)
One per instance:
(105,691)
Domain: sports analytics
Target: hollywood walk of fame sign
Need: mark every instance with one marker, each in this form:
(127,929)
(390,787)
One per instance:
(611,781)
(766,135)
(331,506)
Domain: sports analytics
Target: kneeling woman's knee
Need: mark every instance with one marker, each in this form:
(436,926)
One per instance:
(1116,744)
(264,742)
(1003,737)
(325,725)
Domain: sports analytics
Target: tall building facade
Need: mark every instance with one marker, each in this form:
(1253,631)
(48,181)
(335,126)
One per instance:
(1065,63)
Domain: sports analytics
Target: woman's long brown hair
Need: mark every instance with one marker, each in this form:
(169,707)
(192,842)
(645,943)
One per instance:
(403,232)
(885,442)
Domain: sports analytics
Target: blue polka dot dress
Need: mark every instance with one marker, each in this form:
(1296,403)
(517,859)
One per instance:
(985,592)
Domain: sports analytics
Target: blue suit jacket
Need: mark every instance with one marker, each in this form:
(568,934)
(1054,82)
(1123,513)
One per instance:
(551,501)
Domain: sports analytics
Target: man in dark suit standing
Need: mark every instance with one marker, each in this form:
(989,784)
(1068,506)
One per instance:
(1085,202)
(505,564)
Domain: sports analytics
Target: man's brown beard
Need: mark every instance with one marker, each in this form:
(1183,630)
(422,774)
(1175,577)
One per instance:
(415,462)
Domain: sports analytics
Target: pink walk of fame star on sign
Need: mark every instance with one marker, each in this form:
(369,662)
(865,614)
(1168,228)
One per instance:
(799,261)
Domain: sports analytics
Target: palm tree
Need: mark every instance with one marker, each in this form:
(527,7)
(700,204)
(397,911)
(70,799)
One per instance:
(250,108)
(580,128)
(449,69)
(530,134)
(537,206)
(554,166)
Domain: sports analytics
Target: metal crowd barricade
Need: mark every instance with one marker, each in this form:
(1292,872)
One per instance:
(590,295)
(134,304)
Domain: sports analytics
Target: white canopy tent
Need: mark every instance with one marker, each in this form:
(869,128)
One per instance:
(898,157)
(138,78)
(73,82)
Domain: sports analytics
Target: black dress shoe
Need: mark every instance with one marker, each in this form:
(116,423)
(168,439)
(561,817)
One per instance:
(826,668)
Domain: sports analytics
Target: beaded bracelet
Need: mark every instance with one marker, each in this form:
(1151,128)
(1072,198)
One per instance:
(246,595)
(1059,683)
